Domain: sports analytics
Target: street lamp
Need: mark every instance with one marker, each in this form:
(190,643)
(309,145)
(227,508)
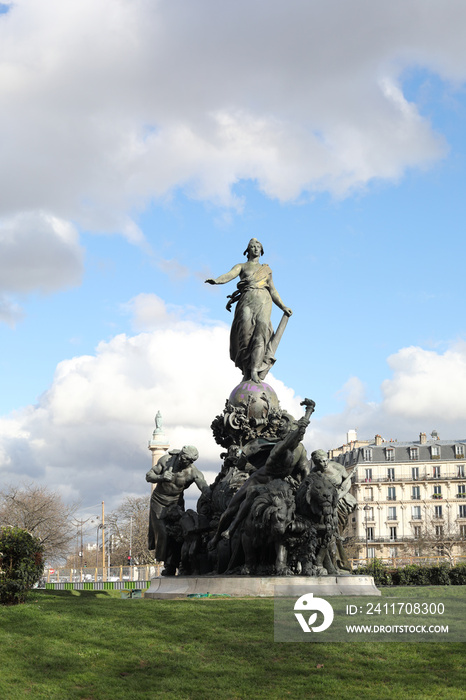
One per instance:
(367,509)
(130,546)
(79,530)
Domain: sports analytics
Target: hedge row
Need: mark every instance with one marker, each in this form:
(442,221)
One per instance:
(414,575)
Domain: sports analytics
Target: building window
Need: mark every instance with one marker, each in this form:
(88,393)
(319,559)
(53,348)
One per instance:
(393,534)
(463,531)
(461,491)
(435,452)
(391,473)
(461,471)
(393,551)
(370,534)
(371,552)
(368,474)
(368,513)
(438,512)
(439,530)
(391,493)
(436,473)
(459,451)
(437,491)
(390,454)
(368,494)
(417,532)
(413,453)
(392,513)
(367,454)
(415,473)
(416,512)
(416,493)
(462,512)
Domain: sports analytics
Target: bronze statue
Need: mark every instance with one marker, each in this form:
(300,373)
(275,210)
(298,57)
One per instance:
(264,530)
(284,461)
(252,340)
(346,503)
(316,500)
(173,473)
(267,513)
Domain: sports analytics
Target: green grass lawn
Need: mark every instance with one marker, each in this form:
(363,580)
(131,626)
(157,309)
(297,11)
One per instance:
(94,646)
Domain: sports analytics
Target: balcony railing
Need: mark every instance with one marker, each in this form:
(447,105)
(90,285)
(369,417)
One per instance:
(381,540)
(386,479)
(376,539)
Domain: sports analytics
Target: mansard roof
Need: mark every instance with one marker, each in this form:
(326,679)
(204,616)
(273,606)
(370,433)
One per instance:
(402,452)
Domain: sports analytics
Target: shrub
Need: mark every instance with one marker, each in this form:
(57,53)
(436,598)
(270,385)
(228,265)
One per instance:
(458,575)
(413,575)
(440,575)
(21,564)
(382,575)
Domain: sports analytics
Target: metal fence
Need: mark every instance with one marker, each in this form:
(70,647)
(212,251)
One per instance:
(112,574)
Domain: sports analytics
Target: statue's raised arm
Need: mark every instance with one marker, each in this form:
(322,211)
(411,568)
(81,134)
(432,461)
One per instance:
(252,340)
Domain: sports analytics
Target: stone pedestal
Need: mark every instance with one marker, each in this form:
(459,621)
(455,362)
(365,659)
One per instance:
(260,587)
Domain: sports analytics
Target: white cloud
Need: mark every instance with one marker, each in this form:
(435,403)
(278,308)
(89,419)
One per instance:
(427,390)
(427,384)
(150,312)
(110,104)
(10,311)
(88,433)
(38,252)
(114,103)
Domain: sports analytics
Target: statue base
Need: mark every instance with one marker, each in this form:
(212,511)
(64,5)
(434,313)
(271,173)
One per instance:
(260,587)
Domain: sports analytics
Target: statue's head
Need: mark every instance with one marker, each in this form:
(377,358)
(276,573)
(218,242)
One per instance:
(188,455)
(254,243)
(286,425)
(320,459)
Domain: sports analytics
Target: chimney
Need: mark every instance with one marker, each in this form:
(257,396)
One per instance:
(378,440)
(422,438)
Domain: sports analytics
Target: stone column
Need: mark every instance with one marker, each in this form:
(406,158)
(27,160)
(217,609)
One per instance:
(159,443)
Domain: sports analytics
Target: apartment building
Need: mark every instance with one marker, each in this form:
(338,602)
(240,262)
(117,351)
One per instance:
(411,496)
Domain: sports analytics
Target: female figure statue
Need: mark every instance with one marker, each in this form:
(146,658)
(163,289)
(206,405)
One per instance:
(252,341)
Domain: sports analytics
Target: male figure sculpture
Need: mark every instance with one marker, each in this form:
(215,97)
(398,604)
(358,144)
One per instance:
(173,474)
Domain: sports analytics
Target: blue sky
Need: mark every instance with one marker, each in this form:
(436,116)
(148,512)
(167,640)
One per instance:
(133,170)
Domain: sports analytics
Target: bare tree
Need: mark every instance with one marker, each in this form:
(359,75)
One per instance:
(43,514)
(128,525)
(438,535)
